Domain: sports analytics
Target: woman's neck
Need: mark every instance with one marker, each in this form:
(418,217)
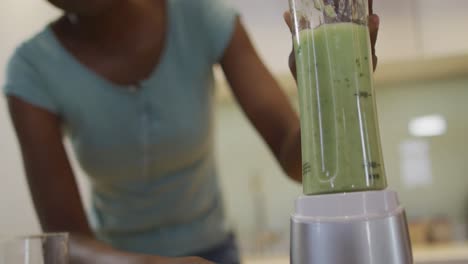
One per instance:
(117,26)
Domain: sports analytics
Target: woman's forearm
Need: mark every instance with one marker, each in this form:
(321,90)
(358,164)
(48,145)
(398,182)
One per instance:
(290,154)
(87,250)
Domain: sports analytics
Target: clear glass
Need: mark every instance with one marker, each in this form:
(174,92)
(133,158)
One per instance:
(42,249)
(340,139)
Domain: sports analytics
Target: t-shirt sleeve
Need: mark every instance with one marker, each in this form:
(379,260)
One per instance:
(219,20)
(24,82)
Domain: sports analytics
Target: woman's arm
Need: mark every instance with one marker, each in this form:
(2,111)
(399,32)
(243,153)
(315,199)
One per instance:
(263,101)
(49,174)
(54,190)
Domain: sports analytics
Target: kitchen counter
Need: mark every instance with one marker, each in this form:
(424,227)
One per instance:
(440,254)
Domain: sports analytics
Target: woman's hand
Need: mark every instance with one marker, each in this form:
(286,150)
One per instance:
(87,250)
(374,23)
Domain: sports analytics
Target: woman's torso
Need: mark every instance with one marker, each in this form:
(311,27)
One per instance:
(148,151)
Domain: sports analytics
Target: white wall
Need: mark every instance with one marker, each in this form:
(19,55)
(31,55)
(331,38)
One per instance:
(444,194)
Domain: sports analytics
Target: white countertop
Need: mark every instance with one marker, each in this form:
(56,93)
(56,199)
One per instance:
(441,254)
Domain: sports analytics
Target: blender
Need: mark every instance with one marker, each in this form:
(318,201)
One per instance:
(347,214)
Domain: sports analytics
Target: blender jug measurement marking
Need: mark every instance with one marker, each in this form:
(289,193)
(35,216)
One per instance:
(306,168)
(363,94)
(372,164)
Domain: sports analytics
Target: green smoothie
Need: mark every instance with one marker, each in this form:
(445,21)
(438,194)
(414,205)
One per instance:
(340,139)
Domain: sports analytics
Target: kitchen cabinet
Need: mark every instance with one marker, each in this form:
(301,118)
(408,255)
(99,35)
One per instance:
(410,29)
(443,24)
(397,35)
(414,29)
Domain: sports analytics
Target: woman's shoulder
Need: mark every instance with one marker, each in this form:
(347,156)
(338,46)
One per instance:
(29,63)
(35,48)
(200,8)
(208,23)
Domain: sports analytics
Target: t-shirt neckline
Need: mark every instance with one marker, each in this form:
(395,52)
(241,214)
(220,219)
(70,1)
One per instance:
(67,55)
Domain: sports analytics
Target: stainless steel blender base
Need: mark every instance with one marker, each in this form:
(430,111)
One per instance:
(375,239)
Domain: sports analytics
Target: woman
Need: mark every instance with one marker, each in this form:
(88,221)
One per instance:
(130,83)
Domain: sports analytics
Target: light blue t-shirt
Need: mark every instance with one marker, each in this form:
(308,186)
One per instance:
(148,153)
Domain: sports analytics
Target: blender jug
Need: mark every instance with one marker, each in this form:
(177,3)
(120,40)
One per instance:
(356,220)
(340,139)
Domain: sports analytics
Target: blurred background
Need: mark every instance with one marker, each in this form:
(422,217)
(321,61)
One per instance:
(421,89)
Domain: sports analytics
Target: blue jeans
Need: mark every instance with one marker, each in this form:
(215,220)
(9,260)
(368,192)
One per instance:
(225,253)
